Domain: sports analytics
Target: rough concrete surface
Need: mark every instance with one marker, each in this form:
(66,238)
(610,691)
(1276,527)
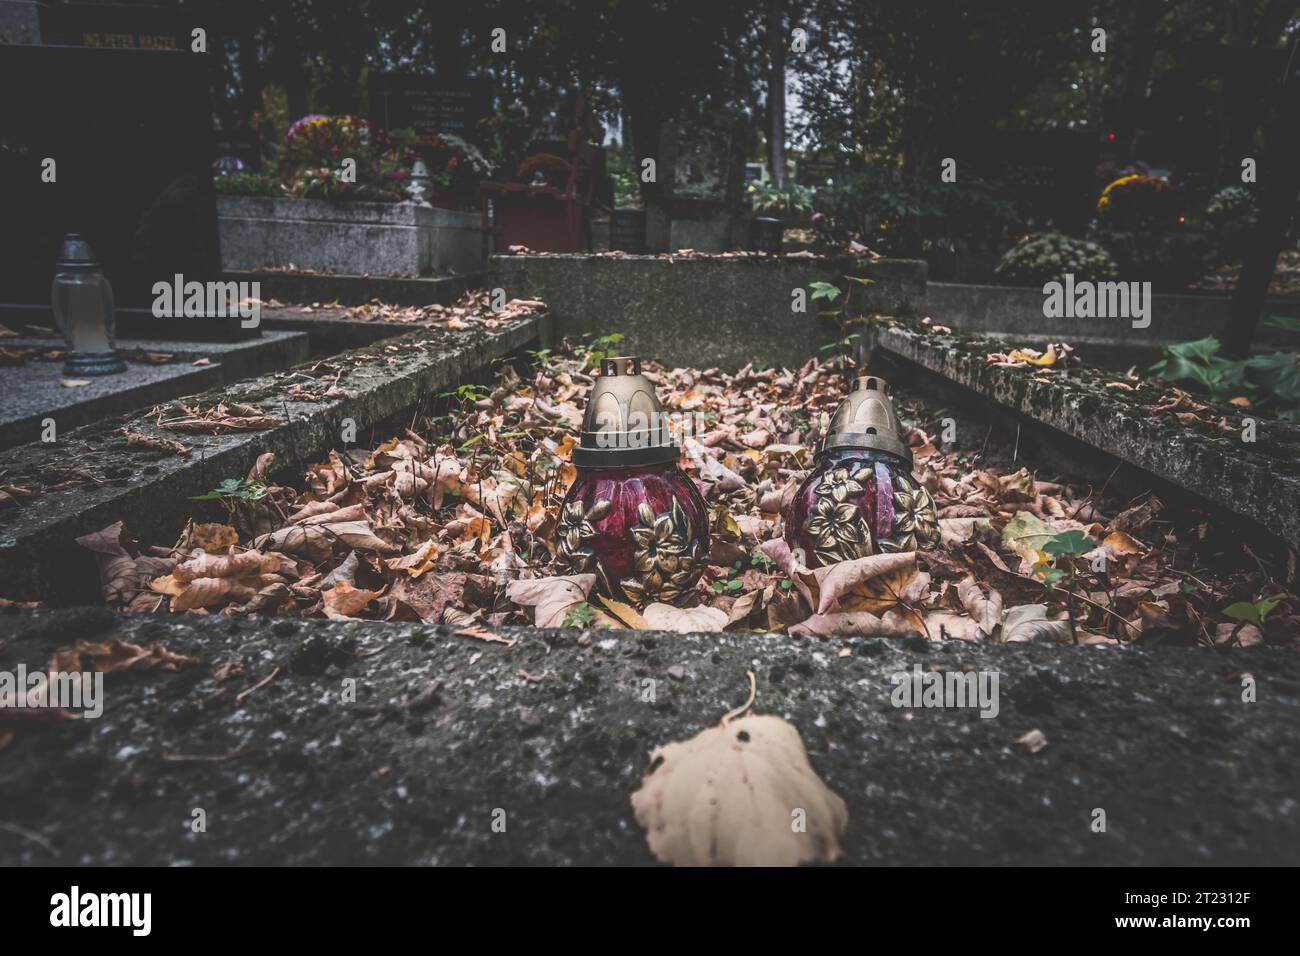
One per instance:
(32,392)
(349,237)
(1259,481)
(1013,311)
(554,730)
(150,489)
(299,286)
(723,311)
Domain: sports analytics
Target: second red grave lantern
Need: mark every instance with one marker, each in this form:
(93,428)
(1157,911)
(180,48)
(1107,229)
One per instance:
(632,517)
(861,498)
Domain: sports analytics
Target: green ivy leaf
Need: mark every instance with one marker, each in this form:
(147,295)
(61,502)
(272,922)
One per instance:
(825,290)
(1068,543)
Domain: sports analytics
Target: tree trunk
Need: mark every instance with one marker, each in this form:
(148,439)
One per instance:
(776,91)
(649,131)
(1139,55)
(1279,180)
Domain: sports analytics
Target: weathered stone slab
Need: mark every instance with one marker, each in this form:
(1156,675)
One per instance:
(556,731)
(358,289)
(150,490)
(33,393)
(329,328)
(348,237)
(723,311)
(1259,481)
(1015,312)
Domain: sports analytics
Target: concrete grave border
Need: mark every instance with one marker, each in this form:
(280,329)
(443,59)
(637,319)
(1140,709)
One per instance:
(37,540)
(712,310)
(1263,489)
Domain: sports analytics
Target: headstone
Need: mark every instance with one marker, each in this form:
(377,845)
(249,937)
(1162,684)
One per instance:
(816,171)
(129,26)
(427,104)
(708,209)
(25,22)
(129,132)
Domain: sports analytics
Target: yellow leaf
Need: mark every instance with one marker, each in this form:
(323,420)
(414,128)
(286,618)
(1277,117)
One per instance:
(214,538)
(624,612)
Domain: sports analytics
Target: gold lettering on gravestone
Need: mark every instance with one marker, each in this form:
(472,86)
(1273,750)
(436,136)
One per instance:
(130,41)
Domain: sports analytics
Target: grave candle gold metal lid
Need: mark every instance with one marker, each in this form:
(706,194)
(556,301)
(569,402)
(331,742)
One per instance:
(625,425)
(867,419)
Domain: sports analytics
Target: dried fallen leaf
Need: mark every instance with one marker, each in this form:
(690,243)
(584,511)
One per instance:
(1029,622)
(625,613)
(739,794)
(483,634)
(986,611)
(343,601)
(118,655)
(214,538)
(551,598)
(685,620)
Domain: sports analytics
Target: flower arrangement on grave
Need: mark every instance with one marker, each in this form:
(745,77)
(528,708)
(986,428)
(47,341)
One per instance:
(312,158)
(632,517)
(546,167)
(1048,256)
(1140,221)
(456,167)
(1138,200)
(861,498)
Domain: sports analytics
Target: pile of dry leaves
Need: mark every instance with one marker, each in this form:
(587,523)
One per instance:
(852,249)
(454,522)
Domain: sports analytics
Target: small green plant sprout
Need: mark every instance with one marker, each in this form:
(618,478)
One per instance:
(467,393)
(1062,549)
(729,583)
(1254,612)
(602,347)
(543,358)
(761,561)
(825,290)
(841,351)
(829,292)
(236,495)
(580,615)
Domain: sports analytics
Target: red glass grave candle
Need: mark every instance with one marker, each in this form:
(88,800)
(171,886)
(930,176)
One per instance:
(861,498)
(631,517)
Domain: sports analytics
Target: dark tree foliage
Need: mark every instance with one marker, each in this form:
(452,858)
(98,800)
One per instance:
(890,85)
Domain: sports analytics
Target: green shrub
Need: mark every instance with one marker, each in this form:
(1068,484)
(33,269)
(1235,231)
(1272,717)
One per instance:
(771,200)
(246,184)
(1048,256)
(1232,213)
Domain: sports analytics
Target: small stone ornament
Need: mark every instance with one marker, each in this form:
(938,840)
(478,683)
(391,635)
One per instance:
(632,517)
(861,498)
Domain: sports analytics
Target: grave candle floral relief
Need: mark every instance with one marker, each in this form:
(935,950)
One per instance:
(632,517)
(861,498)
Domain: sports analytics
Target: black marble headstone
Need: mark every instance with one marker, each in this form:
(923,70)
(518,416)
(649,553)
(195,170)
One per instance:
(428,105)
(130,132)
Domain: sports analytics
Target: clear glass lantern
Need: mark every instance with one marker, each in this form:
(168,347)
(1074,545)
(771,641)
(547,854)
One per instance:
(83,309)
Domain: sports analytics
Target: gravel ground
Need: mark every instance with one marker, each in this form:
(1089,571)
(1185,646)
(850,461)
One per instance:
(554,731)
